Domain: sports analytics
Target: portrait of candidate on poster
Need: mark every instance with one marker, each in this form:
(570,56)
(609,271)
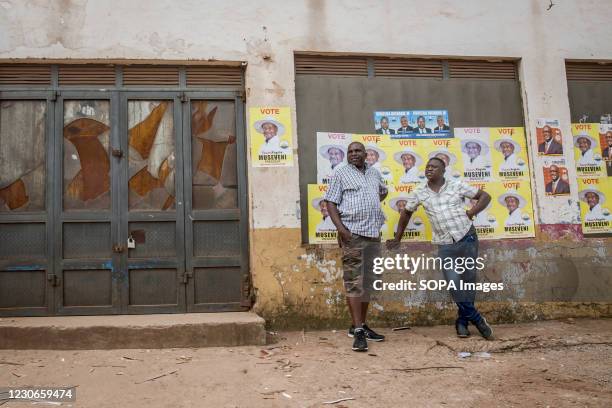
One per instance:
(605,144)
(331,153)
(509,154)
(476,153)
(595,212)
(406,124)
(587,150)
(321,229)
(556,180)
(549,138)
(270,131)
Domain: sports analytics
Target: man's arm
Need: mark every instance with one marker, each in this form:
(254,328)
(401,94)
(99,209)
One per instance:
(483,199)
(343,233)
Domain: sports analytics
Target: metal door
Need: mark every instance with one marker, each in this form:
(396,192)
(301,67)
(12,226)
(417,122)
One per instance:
(85,198)
(26,230)
(151,206)
(216,243)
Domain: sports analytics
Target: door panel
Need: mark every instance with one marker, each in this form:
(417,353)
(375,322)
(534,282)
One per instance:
(25,256)
(214,225)
(85,229)
(151,216)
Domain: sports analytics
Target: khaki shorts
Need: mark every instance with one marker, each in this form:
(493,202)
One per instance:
(357,264)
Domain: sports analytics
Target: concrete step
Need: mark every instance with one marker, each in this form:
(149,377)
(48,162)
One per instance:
(132,331)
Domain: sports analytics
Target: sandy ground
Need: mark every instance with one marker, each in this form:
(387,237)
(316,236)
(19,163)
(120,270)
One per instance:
(558,364)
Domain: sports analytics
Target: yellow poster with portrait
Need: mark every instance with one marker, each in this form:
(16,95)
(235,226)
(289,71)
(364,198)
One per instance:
(587,150)
(418,228)
(406,161)
(270,132)
(595,205)
(509,153)
(512,208)
(486,222)
(377,154)
(321,229)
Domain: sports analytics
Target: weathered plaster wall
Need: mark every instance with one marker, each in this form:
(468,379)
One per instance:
(266,34)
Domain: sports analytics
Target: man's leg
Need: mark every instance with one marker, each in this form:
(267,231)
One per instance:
(352,265)
(464,299)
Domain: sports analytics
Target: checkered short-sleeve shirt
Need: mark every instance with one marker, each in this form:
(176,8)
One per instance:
(445,209)
(356,194)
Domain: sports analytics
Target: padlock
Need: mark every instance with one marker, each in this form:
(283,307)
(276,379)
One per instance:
(131,244)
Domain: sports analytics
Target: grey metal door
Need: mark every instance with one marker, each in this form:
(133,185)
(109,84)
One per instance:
(151,204)
(122,202)
(216,244)
(26,228)
(85,204)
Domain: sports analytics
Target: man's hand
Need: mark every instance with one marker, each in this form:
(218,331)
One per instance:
(344,236)
(469,214)
(393,243)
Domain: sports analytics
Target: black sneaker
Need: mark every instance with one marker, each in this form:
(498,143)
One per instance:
(360,343)
(485,330)
(370,334)
(462,330)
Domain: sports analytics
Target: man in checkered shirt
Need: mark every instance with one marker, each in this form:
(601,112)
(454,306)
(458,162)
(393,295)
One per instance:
(353,202)
(454,233)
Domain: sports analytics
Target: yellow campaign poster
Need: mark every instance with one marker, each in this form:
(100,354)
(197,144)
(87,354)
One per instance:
(271,136)
(512,209)
(377,154)
(321,229)
(509,153)
(487,222)
(406,161)
(418,228)
(595,207)
(587,150)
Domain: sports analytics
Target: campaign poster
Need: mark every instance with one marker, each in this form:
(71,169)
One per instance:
(509,153)
(595,208)
(587,150)
(418,228)
(271,136)
(476,153)
(407,161)
(321,229)
(486,222)
(378,154)
(605,144)
(556,178)
(513,209)
(406,124)
(548,136)
(331,153)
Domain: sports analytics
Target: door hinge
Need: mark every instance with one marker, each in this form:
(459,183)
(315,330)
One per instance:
(54,279)
(183,97)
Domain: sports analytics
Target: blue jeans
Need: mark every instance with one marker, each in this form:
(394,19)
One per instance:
(467,247)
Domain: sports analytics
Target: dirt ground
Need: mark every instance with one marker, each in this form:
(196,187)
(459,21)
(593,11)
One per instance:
(556,363)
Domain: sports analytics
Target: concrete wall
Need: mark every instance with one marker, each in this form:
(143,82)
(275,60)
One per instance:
(291,279)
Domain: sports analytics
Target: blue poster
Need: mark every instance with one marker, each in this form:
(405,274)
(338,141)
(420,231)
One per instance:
(415,124)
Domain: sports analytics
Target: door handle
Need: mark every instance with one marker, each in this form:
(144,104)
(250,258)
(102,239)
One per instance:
(118,248)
